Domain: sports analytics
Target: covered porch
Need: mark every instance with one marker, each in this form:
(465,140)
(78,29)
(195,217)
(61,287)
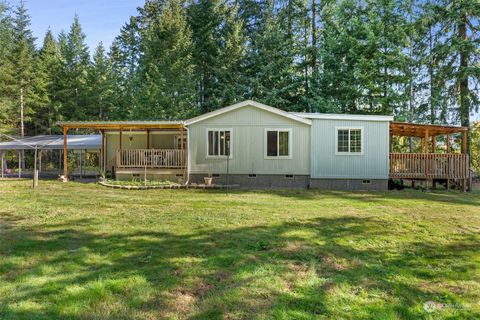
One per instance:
(142,149)
(435,154)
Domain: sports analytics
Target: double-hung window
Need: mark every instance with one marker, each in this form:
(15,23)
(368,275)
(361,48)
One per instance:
(278,143)
(349,141)
(219,142)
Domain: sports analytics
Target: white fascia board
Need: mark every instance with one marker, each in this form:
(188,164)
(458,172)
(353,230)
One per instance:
(333,116)
(247,103)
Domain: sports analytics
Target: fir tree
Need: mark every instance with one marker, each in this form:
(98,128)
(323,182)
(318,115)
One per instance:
(23,60)
(100,86)
(166,65)
(75,62)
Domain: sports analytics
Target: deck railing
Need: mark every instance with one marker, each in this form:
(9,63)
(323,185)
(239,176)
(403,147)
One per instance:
(151,158)
(429,166)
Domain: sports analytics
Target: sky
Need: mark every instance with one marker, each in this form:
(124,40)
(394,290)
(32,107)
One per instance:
(101,20)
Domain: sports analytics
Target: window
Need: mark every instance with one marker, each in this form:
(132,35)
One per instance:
(349,141)
(277,142)
(219,142)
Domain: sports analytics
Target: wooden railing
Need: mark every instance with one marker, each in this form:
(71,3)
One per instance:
(151,158)
(429,166)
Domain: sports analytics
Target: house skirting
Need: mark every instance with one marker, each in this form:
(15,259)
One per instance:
(152,174)
(259,181)
(266,181)
(349,184)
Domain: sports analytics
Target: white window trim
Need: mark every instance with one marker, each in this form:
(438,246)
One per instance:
(349,153)
(206,143)
(265,144)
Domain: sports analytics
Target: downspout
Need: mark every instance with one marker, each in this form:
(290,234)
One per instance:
(188,157)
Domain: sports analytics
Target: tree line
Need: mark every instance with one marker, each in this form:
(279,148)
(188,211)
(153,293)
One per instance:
(415,59)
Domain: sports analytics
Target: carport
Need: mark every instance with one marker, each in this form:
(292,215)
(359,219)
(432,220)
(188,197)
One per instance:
(85,148)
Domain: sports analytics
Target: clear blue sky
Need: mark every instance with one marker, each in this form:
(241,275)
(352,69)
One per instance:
(101,20)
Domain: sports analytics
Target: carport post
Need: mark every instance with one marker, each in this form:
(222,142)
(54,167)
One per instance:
(65,169)
(19,164)
(3,160)
(35,169)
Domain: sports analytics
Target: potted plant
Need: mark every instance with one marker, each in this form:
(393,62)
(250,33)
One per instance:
(208,180)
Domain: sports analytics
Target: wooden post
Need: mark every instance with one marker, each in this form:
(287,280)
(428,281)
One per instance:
(65,167)
(102,153)
(434,144)
(448,142)
(425,140)
(120,147)
(148,138)
(465,151)
(391,142)
(426,156)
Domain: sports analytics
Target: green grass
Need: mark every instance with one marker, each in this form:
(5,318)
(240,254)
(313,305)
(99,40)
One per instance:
(83,251)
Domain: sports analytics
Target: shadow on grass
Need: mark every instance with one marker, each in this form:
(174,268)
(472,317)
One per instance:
(292,270)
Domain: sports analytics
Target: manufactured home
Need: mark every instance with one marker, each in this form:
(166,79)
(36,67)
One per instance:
(258,146)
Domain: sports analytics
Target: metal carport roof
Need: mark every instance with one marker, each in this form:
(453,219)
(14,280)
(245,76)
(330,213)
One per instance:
(54,142)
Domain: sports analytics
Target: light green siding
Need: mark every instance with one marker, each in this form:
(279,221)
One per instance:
(248,126)
(372,164)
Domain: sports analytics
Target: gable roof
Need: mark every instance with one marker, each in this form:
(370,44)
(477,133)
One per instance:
(248,103)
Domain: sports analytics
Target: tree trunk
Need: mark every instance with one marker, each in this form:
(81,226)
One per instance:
(22,124)
(463,79)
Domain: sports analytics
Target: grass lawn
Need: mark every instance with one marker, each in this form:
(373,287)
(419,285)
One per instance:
(83,251)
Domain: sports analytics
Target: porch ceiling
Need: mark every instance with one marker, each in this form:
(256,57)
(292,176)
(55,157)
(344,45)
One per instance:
(421,130)
(122,125)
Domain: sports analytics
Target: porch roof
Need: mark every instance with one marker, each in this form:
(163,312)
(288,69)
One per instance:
(122,125)
(421,130)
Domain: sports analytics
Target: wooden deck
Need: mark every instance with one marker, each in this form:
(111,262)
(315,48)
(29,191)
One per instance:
(429,166)
(151,158)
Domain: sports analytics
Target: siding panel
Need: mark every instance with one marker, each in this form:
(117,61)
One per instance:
(248,125)
(373,164)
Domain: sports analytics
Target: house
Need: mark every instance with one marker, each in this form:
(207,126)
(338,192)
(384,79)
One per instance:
(259,146)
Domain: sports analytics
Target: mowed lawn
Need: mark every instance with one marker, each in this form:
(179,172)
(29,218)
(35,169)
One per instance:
(82,251)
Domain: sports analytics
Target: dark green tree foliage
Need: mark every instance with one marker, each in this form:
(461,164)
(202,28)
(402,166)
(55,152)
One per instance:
(47,70)
(74,71)
(232,84)
(23,81)
(417,60)
(457,50)
(100,85)
(7,102)
(124,59)
(204,18)
(166,67)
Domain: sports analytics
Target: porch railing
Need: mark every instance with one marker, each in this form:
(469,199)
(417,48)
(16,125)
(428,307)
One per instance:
(151,158)
(429,166)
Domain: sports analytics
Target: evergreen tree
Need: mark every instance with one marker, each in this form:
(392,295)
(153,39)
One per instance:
(272,72)
(49,67)
(124,58)
(232,85)
(75,62)
(204,18)
(23,60)
(8,111)
(457,49)
(166,65)
(100,86)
